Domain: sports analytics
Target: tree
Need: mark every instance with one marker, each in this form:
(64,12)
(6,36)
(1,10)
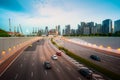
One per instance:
(3,33)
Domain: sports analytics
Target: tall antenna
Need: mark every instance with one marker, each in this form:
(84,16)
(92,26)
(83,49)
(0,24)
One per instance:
(9,25)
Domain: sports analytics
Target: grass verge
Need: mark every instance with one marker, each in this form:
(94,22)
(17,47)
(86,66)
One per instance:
(100,69)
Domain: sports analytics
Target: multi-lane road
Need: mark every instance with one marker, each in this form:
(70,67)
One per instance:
(109,62)
(29,65)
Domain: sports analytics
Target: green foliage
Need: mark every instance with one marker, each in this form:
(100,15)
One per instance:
(3,33)
(117,33)
(104,71)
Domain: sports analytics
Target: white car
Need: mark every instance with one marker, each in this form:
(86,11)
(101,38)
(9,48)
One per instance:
(97,77)
(54,57)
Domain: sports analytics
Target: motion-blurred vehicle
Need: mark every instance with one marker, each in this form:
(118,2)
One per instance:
(30,45)
(97,77)
(58,53)
(37,40)
(95,57)
(86,72)
(54,57)
(47,65)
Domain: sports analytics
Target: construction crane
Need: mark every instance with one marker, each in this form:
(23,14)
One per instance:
(21,29)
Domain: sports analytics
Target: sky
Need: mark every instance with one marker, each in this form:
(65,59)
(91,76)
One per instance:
(42,13)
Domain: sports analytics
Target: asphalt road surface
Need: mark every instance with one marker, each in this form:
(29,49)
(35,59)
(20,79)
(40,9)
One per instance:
(109,62)
(29,65)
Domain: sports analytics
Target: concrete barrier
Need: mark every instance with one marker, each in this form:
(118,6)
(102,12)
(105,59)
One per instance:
(8,44)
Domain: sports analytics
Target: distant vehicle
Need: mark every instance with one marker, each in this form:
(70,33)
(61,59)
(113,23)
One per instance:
(47,65)
(54,57)
(94,57)
(37,40)
(30,45)
(86,72)
(58,53)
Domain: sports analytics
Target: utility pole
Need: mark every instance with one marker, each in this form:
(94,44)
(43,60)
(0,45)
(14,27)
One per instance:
(21,29)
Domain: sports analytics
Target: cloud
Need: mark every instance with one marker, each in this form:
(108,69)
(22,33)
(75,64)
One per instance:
(50,13)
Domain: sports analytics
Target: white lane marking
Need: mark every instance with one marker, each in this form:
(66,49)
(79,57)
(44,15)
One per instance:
(58,70)
(16,76)
(79,78)
(21,65)
(76,62)
(31,74)
(45,72)
(73,60)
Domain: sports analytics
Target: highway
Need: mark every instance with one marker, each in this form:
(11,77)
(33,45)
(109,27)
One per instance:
(29,65)
(109,62)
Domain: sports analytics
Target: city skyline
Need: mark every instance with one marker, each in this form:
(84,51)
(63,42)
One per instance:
(42,13)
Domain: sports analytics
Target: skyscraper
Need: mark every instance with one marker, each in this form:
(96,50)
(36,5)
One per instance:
(59,32)
(116,25)
(67,30)
(46,31)
(107,26)
(73,31)
(63,32)
(91,27)
(83,24)
(98,28)
(85,28)
(79,30)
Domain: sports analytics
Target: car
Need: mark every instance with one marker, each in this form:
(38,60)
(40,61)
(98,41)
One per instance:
(95,57)
(54,57)
(37,40)
(30,45)
(58,53)
(97,77)
(86,73)
(47,65)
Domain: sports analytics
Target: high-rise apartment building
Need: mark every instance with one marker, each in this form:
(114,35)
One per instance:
(67,30)
(59,32)
(107,26)
(46,31)
(98,28)
(79,30)
(116,26)
(91,27)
